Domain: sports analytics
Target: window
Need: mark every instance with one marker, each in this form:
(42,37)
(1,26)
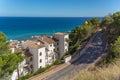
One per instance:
(40,60)
(54,50)
(40,53)
(40,66)
(31,66)
(57,49)
(31,58)
(51,45)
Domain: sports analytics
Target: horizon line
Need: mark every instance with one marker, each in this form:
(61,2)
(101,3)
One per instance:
(52,16)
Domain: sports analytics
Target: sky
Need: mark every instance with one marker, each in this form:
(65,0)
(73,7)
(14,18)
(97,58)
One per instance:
(58,8)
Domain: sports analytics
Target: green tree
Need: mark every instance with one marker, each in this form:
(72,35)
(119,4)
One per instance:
(4,45)
(106,21)
(8,60)
(94,21)
(116,46)
(1,64)
(9,64)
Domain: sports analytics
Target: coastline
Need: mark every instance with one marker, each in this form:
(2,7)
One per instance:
(24,28)
(29,36)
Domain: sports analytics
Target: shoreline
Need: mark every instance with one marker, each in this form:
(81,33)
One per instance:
(29,36)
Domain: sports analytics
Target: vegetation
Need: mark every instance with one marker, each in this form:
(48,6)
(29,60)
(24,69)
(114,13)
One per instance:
(81,33)
(114,53)
(94,21)
(40,70)
(112,33)
(109,68)
(8,60)
(111,72)
(57,62)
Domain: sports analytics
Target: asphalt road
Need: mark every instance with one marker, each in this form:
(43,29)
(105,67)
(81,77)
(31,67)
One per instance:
(90,53)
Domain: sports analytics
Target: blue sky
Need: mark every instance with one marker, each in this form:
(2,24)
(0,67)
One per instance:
(58,8)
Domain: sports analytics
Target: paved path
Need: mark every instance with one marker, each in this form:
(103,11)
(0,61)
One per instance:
(50,72)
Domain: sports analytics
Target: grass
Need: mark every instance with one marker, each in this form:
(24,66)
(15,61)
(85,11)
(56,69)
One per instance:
(111,72)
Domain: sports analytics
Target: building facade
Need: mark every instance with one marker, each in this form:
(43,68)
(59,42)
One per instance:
(39,53)
(44,50)
(61,45)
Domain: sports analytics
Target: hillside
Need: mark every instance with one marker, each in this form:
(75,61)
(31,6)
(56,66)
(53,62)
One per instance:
(107,67)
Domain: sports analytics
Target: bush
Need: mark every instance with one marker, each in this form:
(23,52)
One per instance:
(74,48)
(26,76)
(40,70)
(57,62)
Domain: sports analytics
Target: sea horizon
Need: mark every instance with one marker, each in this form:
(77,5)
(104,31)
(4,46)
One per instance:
(22,28)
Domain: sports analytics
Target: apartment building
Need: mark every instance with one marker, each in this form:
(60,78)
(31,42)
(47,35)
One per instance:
(61,45)
(39,52)
(44,50)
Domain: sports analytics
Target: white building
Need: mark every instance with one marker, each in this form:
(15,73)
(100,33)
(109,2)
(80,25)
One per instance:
(39,52)
(61,45)
(49,44)
(44,50)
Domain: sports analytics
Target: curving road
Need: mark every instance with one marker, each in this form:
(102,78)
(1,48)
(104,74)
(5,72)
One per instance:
(89,54)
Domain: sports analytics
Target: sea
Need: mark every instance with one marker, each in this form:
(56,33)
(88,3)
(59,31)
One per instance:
(22,28)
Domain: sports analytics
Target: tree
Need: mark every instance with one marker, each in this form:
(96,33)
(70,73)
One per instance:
(1,64)
(8,60)
(94,21)
(116,46)
(106,21)
(9,64)
(4,45)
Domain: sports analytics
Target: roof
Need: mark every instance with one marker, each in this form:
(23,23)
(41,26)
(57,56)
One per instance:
(13,45)
(33,44)
(60,34)
(45,39)
(48,39)
(17,50)
(46,50)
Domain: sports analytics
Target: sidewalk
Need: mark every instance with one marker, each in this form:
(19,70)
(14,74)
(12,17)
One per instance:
(50,72)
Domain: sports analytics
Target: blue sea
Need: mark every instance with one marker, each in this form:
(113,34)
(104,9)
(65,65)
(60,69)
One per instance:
(22,28)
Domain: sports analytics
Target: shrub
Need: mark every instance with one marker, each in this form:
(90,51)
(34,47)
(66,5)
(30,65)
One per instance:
(57,62)
(111,72)
(40,70)
(26,76)
(74,48)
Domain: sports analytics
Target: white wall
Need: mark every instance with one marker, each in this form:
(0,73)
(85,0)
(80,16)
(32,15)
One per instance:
(42,57)
(66,47)
(12,50)
(14,76)
(67,59)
